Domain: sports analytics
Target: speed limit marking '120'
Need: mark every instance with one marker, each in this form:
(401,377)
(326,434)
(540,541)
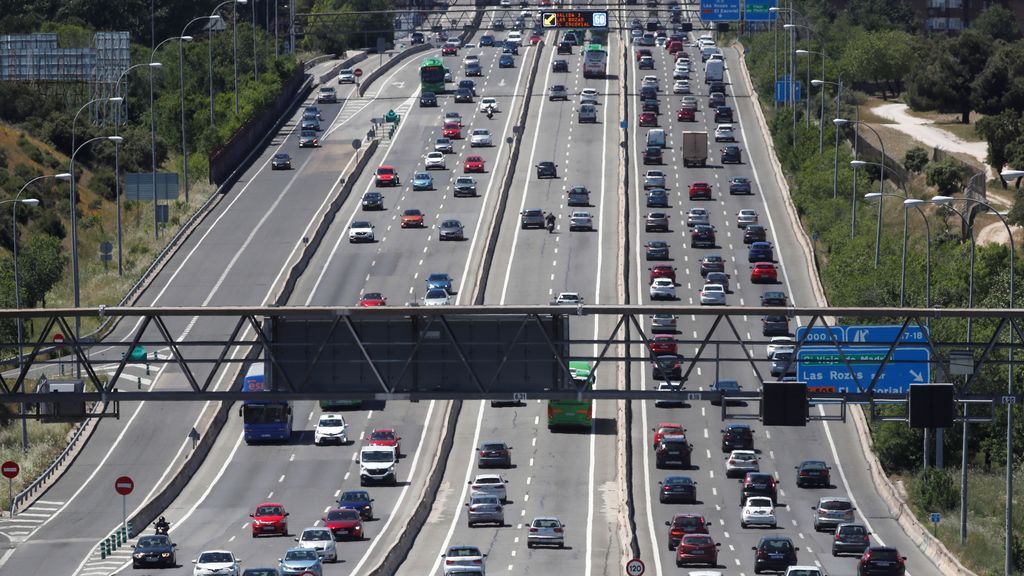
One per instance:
(635,567)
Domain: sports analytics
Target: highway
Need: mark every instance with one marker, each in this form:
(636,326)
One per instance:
(245,246)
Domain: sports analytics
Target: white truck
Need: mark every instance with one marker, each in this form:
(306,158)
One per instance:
(714,71)
(377,465)
(695,148)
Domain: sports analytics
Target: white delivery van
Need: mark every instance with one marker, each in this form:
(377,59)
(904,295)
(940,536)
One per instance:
(377,465)
(714,71)
(656,138)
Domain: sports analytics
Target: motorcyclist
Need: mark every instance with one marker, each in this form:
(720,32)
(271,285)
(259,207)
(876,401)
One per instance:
(549,220)
(162,525)
(490,112)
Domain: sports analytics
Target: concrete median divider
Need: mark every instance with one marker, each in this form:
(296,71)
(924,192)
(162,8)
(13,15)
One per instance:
(347,63)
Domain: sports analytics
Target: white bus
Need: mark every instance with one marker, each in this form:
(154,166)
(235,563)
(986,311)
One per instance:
(595,61)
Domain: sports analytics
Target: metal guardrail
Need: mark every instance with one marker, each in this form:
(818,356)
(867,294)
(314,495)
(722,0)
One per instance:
(314,61)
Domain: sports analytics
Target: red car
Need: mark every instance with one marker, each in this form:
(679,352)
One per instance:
(663,344)
(700,190)
(344,523)
(269,518)
(686,115)
(667,429)
(473,164)
(387,176)
(372,299)
(683,524)
(662,271)
(452,130)
(385,437)
(764,272)
(412,218)
(449,51)
(534,40)
(648,119)
(697,549)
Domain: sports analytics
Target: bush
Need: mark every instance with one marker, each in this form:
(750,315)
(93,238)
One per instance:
(898,446)
(935,491)
(945,175)
(915,159)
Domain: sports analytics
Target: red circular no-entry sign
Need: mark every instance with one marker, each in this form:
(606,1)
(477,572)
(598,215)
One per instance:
(58,338)
(10,469)
(124,485)
(357,72)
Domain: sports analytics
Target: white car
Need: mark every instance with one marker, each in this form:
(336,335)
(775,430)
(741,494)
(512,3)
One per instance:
(780,344)
(459,557)
(663,289)
(681,73)
(690,101)
(588,96)
(758,511)
(724,133)
(545,531)
(739,462)
(654,179)
(435,161)
(471,59)
(321,540)
(491,485)
(571,298)
(488,102)
(453,42)
(650,80)
(581,221)
(506,3)
(803,571)
(346,76)
(443,145)
(437,297)
(330,428)
(681,87)
(480,137)
(360,231)
(515,36)
(220,562)
(745,217)
(712,295)
(697,216)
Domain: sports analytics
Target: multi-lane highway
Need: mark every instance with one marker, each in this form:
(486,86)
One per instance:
(243,249)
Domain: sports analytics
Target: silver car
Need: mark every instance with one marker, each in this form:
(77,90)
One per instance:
(697,216)
(745,217)
(661,323)
(832,511)
(485,509)
(443,145)
(712,295)
(545,531)
(320,540)
(739,462)
(654,179)
(459,557)
(300,561)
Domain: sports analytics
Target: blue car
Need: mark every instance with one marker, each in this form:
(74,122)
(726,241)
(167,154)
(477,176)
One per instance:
(760,252)
(422,181)
(506,61)
(358,500)
(657,198)
(440,280)
(298,561)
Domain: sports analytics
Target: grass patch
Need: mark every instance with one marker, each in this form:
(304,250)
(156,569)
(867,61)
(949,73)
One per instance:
(46,441)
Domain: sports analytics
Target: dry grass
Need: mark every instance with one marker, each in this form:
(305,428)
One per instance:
(46,441)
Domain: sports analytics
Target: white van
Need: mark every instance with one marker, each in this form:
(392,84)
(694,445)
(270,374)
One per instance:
(377,465)
(514,36)
(656,138)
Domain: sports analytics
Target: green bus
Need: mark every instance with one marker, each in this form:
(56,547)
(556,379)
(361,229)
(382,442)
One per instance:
(573,413)
(432,75)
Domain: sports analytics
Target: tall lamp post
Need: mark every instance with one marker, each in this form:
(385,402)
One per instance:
(117,159)
(821,130)
(181,88)
(807,97)
(152,126)
(234,46)
(821,114)
(774,14)
(215,17)
(255,65)
(840,122)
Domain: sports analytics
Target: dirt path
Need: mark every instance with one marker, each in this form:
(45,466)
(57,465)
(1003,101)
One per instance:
(923,129)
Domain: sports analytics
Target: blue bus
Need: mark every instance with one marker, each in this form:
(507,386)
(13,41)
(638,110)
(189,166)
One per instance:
(264,421)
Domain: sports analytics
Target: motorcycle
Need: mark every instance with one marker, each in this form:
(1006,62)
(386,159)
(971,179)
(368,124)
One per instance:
(551,225)
(490,113)
(162,528)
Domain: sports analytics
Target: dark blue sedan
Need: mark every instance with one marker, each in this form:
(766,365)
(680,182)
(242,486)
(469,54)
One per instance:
(760,252)
(657,198)
(358,500)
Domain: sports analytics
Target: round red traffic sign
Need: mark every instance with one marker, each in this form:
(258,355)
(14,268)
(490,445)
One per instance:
(357,72)
(58,338)
(10,469)
(635,567)
(124,485)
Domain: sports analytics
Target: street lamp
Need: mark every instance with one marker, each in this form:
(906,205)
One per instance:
(215,17)
(1012,174)
(821,114)
(821,129)
(908,202)
(840,122)
(152,127)
(807,99)
(117,156)
(234,46)
(774,12)
(181,88)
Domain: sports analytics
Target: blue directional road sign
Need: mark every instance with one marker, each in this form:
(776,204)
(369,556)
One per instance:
(823,367)
(720,10)
(884,334)
(782,88)
(818,335)
(758,10)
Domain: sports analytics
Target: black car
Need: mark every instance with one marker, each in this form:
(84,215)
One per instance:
(498,26)
(496,454)
(281,161)
(486,41)
(754,233)
(774,553)
(506,61)
(463,95)
(547,169)
(564,47)
(709,264)
(673,451)
(773,298)
(759,484)
(648,93)
(373,201)
(813,473)
(739,185)
(572,39)
(667,367)
(578,196)
(723,114)
(469,85)
(737,437)
(716,99)
(428,100)
(723,386)
(775,325)
(731,155)
(154,550)
(680,489)
(651,105)
(451,230)
(723,279)
(417,38)
(560,66)
(716,87)
(850,538)
(656,250)
(652,155)
(882,561)
(511,48)
(702,236)
(646,63)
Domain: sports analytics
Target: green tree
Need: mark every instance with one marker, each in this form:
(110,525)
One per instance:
(1000,85)
(945,175)
(884,58)
(915,159)
(882,14)
(41,264)
(946,82)
(998,23)
(1000,132)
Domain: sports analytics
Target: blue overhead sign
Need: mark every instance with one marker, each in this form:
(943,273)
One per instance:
(759,10)
(720,10)
(782,88)
(821,365)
